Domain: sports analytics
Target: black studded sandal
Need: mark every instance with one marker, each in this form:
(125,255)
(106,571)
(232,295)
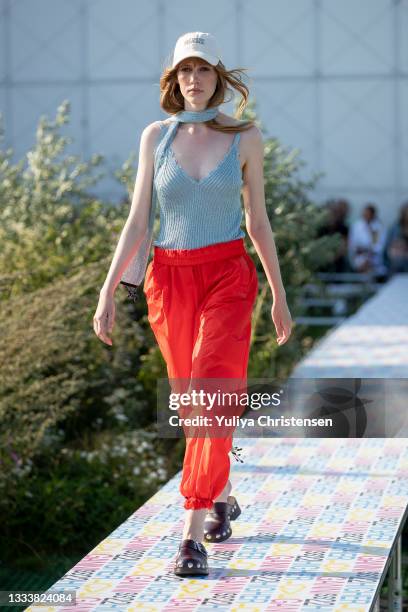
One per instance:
(191,559)
(217,527)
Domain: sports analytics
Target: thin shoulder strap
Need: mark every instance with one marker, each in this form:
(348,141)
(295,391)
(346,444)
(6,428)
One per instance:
(166,135)
(164,141)
(236,138)
(162,126)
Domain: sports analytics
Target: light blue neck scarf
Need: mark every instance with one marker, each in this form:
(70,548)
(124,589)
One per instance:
(195,116)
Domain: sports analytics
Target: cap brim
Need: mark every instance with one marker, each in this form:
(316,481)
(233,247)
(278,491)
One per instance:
(211,59)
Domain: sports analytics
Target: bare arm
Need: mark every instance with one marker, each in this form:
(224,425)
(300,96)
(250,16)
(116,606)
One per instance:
(137,221)
(260,231)
(256,218)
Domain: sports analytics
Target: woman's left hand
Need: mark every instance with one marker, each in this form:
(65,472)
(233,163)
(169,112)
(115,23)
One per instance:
(282,320)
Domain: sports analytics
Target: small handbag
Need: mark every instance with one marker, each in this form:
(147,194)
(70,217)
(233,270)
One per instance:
(135,271)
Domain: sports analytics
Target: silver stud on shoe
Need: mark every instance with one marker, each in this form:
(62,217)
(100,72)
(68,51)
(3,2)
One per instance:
(190,564)
(217,535)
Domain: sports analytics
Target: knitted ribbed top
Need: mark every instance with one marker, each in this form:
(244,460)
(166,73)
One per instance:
(196,213)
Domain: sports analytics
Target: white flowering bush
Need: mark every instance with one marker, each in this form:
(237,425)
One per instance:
(79,495)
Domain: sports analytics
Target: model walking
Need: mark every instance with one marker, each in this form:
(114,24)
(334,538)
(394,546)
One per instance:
(201,285)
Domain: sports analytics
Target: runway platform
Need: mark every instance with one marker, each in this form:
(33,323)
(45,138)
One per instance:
(321,522)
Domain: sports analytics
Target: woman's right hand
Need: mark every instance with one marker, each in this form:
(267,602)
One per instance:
(104,317)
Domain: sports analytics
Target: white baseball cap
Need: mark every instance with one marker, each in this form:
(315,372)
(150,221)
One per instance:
(196,44)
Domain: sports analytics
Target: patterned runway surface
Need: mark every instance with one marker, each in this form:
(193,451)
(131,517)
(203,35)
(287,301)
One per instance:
(319,519)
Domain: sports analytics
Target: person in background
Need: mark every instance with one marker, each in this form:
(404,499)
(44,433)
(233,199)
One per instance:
(396,248)
(366,243)
(336,223)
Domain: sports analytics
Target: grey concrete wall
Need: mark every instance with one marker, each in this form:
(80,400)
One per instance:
(329,77)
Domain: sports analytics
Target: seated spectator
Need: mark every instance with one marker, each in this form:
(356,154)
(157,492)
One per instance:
(366,243)
(337,211)
(396,248)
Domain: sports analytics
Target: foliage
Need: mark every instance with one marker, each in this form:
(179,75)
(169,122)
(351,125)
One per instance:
(56,374)
(49,223)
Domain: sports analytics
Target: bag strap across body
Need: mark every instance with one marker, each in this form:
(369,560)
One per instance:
(135,271)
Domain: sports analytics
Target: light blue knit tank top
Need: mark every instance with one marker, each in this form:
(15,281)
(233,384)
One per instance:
(196,213)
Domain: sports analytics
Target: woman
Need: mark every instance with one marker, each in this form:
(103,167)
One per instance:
(201,285)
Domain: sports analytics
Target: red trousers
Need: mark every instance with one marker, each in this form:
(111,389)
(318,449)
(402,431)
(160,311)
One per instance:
(200,305)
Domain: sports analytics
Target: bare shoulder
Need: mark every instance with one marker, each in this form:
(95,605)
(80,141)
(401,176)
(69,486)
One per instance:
(150,137)
(156,126)
(252,135)
(252,146)
(152,130)
(251,141)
